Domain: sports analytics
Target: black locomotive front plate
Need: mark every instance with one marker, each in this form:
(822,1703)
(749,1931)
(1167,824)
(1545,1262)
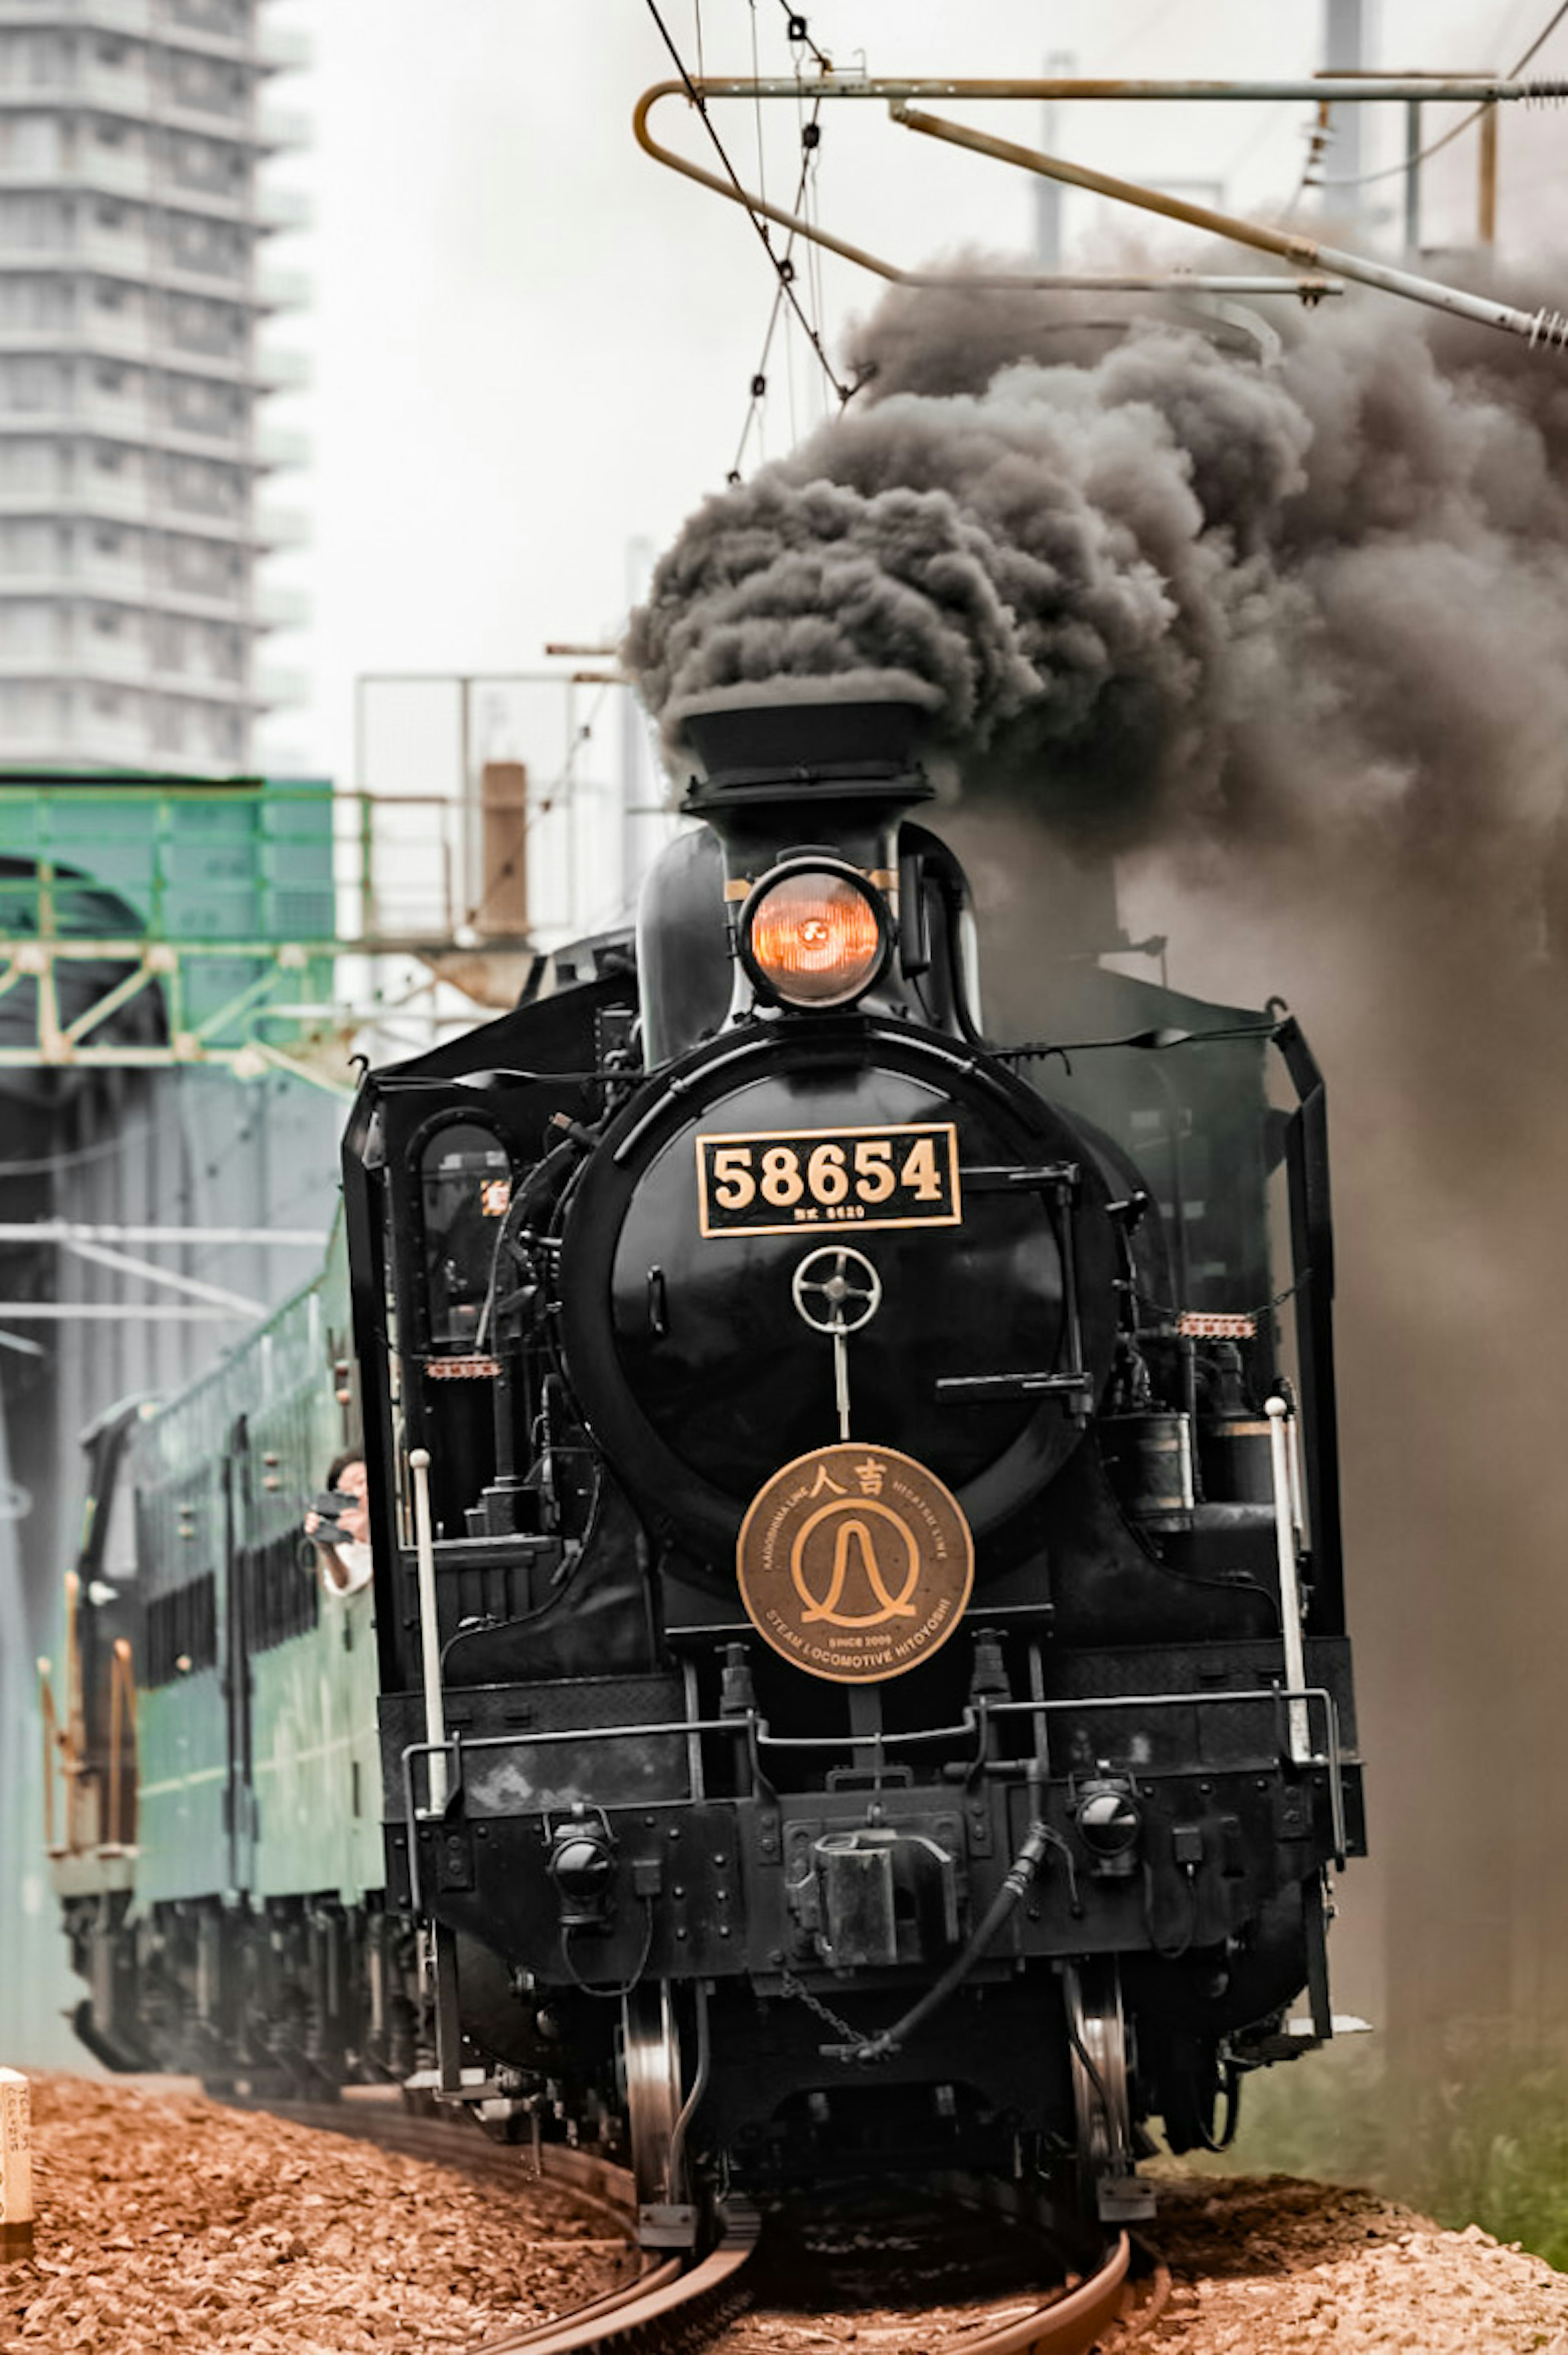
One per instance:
(777,1181)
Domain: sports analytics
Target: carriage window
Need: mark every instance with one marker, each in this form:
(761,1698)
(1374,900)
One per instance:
(466,1184)
(117,1558)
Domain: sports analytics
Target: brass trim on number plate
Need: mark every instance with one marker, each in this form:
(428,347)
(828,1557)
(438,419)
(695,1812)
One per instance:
(807,1213)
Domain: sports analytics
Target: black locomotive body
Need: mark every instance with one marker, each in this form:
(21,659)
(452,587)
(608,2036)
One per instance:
(861,1638)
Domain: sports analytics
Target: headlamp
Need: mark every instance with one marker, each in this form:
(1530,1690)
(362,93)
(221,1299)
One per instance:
(815,933)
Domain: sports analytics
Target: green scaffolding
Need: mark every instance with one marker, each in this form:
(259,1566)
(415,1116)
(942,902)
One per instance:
(148,920)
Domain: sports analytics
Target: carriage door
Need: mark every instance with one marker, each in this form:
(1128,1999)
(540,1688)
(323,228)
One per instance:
(239,1810)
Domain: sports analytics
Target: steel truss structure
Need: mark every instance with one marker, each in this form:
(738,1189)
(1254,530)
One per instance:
(145,924)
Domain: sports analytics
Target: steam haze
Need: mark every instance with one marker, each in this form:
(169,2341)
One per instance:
(1292,642)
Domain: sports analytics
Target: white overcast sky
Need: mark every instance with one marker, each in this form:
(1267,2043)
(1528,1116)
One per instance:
(531,346)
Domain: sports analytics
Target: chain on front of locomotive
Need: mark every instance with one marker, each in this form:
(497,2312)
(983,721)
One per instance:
(863,1658)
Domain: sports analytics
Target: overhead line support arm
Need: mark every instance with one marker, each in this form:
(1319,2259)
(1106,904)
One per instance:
(1537,326)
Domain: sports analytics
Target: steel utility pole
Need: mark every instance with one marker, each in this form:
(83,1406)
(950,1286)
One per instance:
(1487,194)
(1048,192)
(1344,52)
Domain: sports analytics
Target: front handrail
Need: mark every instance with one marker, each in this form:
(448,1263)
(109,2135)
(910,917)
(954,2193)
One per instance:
(975,1723)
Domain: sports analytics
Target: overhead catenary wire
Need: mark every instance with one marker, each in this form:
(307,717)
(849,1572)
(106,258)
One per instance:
(757,110)
(47,1165)
(760,373)
(811,149)
(783,271)
(811,203)
(72,1156)
(800,35)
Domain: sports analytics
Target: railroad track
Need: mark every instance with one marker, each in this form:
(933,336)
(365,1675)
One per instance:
(953,2266)
(660,2303)
(690,2304)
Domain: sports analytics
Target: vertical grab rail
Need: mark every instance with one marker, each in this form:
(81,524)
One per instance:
(74,1742)
(121,1723)
(430,1635)
(50,1716)
(1278,1412)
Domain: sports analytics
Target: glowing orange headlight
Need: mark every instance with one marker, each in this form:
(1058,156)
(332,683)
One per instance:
(815,937)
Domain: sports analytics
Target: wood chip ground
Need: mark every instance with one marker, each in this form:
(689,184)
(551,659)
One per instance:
(1267,2265)
(1260,2265)
(165,2220)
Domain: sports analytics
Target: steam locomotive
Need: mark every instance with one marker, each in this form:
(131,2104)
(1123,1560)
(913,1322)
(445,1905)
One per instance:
(859,1624)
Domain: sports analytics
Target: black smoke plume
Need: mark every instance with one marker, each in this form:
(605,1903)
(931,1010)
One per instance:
(1152,591)
(1292,640)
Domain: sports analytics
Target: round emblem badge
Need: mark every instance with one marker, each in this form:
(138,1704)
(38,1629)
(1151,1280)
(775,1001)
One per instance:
(855,1563)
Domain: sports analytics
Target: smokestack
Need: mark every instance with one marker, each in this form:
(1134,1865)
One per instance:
(806,740)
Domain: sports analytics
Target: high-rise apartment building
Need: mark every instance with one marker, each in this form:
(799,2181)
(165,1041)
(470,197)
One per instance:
(133,284)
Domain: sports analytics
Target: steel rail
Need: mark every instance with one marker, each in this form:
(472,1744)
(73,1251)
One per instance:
(581,2322)
(644,2316)
(669,2292)
(583,2318)
(1069,2324)
(637,2317)
(448,2141)
(375,2114)
(1144,2290)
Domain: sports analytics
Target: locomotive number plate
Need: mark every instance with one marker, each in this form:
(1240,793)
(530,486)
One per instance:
(778,1181)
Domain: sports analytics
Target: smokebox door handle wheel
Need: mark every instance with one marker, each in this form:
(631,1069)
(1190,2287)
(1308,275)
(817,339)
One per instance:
(837,1290)
(837,1279)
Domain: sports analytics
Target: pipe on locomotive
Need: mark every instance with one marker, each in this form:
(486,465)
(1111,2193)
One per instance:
(1280,1419)
(430,1636)
(1016,1885)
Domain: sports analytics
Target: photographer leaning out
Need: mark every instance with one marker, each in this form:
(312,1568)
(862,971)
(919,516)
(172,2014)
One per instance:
(339,1525)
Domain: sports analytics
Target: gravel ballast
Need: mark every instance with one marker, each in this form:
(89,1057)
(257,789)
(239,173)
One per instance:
(167,2220)
(1269,2265)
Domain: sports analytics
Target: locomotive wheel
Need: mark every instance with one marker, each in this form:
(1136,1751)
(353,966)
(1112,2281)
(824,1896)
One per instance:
(653,2088)
(1097,2045)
